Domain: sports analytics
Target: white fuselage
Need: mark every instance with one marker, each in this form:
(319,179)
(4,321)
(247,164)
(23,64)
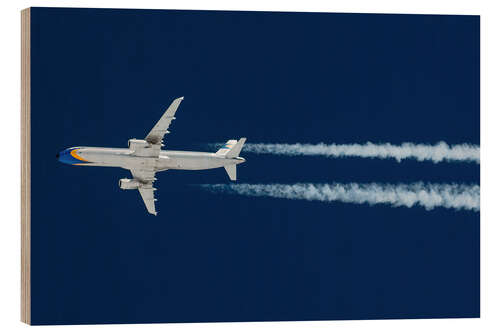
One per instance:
(124,158)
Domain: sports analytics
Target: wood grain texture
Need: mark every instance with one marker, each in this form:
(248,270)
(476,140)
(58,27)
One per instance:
(25,168)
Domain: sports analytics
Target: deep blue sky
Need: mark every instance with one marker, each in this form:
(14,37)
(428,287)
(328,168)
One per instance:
(100,77)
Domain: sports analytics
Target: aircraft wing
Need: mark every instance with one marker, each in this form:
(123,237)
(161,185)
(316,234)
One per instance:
(148,196)
(156,135)
(146,177)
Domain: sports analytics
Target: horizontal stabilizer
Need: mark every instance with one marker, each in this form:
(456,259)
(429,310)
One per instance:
(231,171)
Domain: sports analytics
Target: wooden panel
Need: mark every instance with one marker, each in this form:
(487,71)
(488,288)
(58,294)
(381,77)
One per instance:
(25,168)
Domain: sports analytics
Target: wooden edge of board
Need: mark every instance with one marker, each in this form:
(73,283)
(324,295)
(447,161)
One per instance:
(25,166)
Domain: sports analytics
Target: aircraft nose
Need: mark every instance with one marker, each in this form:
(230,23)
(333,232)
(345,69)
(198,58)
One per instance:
(61,156)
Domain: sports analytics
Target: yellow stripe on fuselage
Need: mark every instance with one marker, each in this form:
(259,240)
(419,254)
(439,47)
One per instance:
(75,155)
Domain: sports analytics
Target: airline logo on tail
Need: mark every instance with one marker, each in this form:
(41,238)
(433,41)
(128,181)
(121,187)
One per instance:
(231,148)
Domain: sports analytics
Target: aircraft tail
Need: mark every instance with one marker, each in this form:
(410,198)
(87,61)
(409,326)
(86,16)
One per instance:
(232,148)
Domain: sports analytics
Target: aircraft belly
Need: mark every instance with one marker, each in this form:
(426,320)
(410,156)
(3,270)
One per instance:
(145,163)
(194,163)
(103,156)
(101,159)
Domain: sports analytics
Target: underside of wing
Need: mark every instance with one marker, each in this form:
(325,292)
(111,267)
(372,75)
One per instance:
(151,147)
(143,175)
(146,189)
(148,196)
(156,135)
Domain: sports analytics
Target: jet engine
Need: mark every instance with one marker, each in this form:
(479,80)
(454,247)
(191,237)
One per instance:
(136,143)
(129,184)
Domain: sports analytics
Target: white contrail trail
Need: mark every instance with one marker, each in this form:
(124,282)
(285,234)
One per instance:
(421,152)
(408,195)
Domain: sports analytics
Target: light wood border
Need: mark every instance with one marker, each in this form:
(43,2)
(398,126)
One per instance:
(25,166)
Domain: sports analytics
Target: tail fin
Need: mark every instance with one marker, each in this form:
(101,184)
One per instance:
(226,147)
(232,148)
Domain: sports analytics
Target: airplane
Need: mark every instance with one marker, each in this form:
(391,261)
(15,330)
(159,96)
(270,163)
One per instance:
(144,158)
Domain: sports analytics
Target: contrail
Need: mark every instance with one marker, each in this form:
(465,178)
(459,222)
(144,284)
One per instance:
(428,196)
(421,152)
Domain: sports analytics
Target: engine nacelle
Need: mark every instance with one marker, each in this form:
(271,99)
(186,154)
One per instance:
(136,143)
(129,184)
